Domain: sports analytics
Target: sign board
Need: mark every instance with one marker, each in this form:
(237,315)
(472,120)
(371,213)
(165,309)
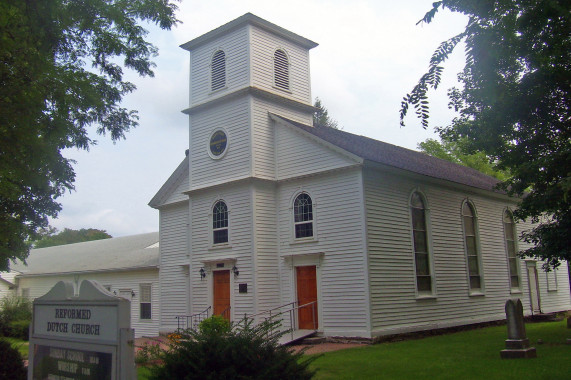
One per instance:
(86,337)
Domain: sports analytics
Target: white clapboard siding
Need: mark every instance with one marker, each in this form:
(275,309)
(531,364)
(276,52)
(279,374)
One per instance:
(553,286)
(173,229)
(339,226)
(7,287)
(235,47)
(234,117)
(116,280)
(263,46)
(299,155)
(176,192)
(267,286)
(238,250)
(264,138)
(394,305)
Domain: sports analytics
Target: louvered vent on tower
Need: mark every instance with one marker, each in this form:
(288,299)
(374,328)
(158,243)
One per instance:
(281,69)
(218,70)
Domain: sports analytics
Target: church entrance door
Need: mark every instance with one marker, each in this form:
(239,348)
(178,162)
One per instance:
(307,293)
(221,293)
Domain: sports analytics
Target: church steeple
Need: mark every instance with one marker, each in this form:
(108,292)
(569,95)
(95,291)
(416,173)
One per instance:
(239,73)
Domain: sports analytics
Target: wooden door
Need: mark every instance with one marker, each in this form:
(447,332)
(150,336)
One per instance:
(533,287)
(221,293)
(306,293)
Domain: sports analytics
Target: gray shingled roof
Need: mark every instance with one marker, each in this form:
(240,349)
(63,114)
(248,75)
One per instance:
(398,157)
(121,253)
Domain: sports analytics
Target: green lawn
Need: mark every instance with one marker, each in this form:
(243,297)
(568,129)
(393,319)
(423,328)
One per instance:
(21,345)
(471,354)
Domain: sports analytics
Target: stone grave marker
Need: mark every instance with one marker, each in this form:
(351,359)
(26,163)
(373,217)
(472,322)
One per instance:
(85,337)
(517,344)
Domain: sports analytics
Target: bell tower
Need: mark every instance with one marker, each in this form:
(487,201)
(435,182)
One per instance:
(239,73)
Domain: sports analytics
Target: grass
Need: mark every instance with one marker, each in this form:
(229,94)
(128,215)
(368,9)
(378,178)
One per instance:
(471,354)
(19,344)
(464,355)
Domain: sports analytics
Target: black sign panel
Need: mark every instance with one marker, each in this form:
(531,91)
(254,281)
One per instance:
(57,363)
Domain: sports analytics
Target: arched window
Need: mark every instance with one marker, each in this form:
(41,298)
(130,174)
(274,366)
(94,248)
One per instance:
(220,223)
(303,216)
(281,69)
(513,262)
(472,245)
(420,242)
(218,68)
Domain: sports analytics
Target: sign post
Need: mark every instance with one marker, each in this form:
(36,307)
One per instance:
(81,337)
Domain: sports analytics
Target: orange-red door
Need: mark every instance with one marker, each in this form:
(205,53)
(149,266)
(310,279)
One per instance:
(307,293)
(221,292)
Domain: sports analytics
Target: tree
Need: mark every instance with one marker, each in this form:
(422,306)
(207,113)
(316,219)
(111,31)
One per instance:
(69,236)
(514,106)
(60,73)
(454,151)
(321,116)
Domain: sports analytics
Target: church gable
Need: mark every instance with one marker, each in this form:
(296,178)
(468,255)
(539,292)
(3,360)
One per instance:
(173,189)
(299,153)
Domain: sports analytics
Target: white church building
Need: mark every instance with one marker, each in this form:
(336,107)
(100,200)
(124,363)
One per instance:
(358,237)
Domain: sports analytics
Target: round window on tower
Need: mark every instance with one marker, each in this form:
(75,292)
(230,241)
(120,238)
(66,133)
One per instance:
(218,144)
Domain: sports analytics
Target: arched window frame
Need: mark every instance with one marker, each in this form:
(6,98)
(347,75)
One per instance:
(472,250)
(420,289)
(218,70)
(220,223)
(514,270)
(281,69)
(305,221)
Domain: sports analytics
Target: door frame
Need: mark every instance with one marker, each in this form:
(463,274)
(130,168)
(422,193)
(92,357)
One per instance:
(531,265)
(214,266)
(295,261)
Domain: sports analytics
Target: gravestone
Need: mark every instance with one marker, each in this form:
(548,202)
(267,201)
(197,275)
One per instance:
(85,337)
(517,344)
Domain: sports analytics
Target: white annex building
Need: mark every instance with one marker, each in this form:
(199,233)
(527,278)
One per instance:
(364,238)
(126,266)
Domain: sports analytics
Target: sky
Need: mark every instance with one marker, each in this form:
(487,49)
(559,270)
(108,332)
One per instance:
(370,54)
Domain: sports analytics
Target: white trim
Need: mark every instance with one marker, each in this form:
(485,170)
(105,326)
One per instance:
(308,239)
(427,221)
(225,151)
(211,229)
(513,290)
(475,220)
(225,86)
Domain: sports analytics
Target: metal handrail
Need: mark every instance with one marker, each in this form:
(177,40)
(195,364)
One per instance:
(289,311)
(226,313)
(195,319)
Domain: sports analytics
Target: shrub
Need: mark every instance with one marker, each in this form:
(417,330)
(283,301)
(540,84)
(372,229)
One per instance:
(15,308)
(11,363)
(216,324)
(241,351)
(15,316)
(148,353)
(18,329)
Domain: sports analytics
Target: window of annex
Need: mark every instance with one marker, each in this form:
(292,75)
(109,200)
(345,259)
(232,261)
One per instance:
(511,250)
(219,223)
(145,301)
(281,69)
(303,216)
(218,70)
(422,256)
(472,245)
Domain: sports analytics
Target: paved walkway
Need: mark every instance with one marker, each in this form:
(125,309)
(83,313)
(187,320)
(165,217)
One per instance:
(311,348)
